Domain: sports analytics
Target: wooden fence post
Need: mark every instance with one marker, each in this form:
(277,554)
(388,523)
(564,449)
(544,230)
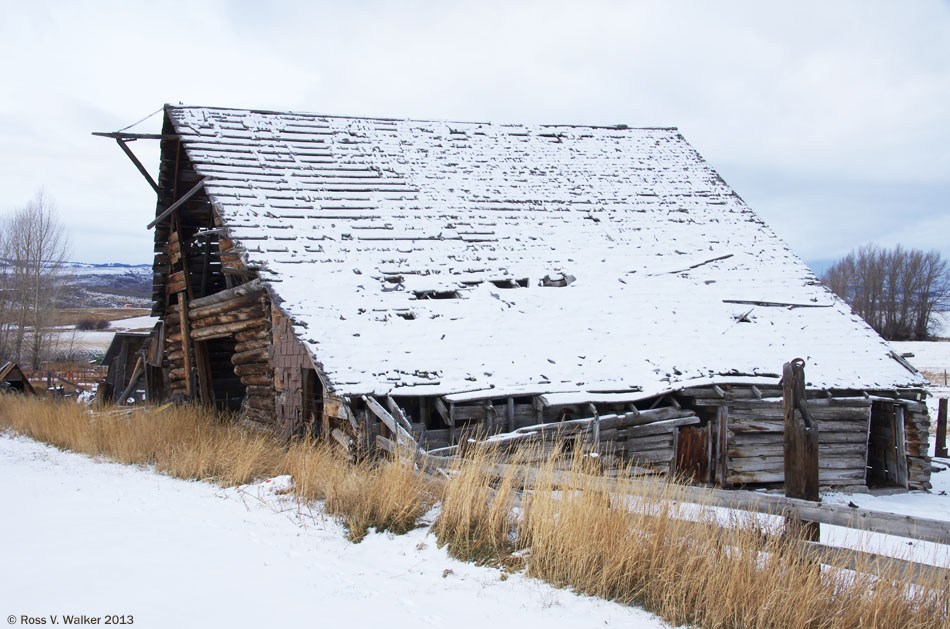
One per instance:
(801,447)
(941,446)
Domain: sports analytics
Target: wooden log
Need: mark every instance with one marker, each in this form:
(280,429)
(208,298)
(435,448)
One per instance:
(250,356)
(250,288)
(264,379)
(241,314)
(224,306)
(226,329)
(252,369)
(260,391)
(173,286)
(266,404)
(247,346)
(176,374)
(251,334)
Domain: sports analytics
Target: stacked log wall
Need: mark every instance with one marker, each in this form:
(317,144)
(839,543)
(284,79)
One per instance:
(917,443)
(755,441)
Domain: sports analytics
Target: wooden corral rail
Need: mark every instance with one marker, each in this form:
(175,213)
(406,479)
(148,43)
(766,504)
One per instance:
(78,379)
(864,520)
(792,509)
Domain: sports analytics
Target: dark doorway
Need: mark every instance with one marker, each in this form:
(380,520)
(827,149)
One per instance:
(227,389)
(887,461)
(312,402)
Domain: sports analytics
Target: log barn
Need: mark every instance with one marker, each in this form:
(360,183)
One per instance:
(361,277)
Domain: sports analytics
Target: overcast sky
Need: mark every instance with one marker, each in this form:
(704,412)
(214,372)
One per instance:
(831,119)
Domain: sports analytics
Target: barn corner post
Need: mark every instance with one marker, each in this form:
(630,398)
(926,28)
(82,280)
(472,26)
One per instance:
(801,448)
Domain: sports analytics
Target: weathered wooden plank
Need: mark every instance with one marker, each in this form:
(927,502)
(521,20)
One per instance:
(776,426)
(821,414)
(778,449)
(648,443)
(656,428)
(397,430)
(754,463)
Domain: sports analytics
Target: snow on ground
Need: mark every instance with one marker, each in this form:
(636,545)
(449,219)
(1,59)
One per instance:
(930,356)
(95,538)
(99,340)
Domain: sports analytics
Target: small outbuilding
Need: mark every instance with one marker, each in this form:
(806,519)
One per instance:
(13,379)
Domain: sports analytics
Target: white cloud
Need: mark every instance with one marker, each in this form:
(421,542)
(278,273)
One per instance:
(814,91)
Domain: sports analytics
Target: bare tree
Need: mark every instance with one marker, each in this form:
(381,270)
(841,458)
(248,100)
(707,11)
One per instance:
(896,291)
(33,246)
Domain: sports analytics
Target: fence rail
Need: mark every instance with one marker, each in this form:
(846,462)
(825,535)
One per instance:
(70,379)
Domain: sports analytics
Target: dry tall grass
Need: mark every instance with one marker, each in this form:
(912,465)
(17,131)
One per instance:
(634,542)
(191,442)
(576,528)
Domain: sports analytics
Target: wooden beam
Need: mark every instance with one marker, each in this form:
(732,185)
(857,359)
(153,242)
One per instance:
(177,204)
(127,135)
(398,431)
(136,375)
(138,164)
(801,446)
(398,413)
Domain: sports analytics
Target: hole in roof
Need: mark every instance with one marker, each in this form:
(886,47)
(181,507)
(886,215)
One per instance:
(510,283)
(436,294)
(558,280)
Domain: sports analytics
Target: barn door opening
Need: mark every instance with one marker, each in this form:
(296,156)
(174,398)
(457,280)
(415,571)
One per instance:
(226,387)
(887,460)
(312,402)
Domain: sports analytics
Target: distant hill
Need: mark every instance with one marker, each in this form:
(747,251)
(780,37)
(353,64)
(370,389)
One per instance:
(107,285)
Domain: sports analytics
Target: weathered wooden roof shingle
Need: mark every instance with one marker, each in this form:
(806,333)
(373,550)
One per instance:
(412,256)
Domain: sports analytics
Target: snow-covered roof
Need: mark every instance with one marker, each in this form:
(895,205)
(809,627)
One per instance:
(411,257)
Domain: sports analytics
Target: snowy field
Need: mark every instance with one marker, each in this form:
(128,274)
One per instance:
(931,357)
(94,538)
(99,340)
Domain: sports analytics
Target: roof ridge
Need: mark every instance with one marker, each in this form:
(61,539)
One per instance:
(614,127)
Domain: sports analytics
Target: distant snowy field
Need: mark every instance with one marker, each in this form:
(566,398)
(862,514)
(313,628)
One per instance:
(930,356)
(86,537)
(98,341)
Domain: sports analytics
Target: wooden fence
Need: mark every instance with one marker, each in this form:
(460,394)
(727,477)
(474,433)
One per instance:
(69,380)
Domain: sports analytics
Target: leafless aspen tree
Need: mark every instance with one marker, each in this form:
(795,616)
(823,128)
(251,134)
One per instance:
(33,248)
(895,290)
